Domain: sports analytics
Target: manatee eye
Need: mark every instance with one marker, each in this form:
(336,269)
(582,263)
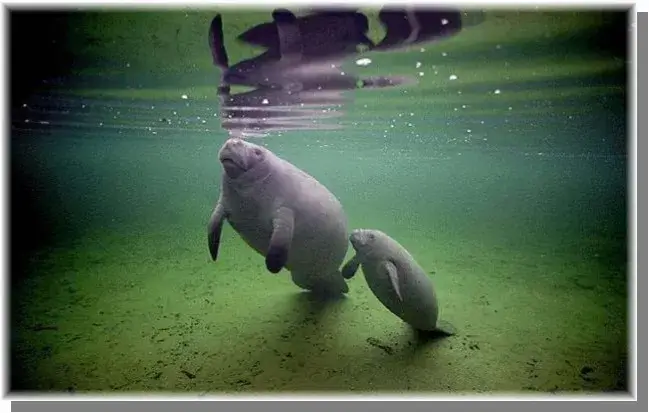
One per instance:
(372,237)
(257,151)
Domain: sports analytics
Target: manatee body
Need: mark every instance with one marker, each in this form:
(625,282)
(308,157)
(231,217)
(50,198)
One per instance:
(282,213)
(396,279)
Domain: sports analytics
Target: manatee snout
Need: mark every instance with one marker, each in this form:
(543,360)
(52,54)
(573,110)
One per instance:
(231,146)
(360,237)
(237,157)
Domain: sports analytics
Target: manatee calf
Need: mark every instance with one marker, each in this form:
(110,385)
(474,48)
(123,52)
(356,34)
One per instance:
(282,213)
(397,280)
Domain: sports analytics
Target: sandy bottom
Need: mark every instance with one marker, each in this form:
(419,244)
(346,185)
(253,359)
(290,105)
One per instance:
(151,312)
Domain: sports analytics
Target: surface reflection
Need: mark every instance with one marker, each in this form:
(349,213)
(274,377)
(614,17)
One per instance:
(298,82)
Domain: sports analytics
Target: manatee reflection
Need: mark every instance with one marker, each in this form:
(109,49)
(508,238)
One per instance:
(298,82)
(405,27)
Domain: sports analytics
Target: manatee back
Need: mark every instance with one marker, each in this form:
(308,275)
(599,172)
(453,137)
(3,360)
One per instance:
(419,307)
(321,226)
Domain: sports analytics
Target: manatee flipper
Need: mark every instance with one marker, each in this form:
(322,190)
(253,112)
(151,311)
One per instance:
(341,285)
(288,34)
(391,270)
(219,54)
(214,227)
(415,27)
(290,45)
(349,269)
(280,241)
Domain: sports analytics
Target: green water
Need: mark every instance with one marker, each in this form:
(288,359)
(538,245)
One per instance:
(514,201)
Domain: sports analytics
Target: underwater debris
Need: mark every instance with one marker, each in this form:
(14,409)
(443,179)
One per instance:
(188,374)
(376,343)
(585,373)
(44,327)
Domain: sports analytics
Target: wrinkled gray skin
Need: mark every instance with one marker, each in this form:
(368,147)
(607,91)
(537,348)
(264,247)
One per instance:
(396,279)
(282,213)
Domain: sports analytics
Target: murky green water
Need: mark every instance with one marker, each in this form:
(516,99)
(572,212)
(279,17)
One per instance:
(503,171)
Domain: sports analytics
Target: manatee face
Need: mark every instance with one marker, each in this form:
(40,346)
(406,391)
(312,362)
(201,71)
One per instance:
(238,157)
(366,241)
